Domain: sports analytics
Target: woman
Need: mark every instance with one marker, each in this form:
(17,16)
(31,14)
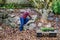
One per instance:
(24,20)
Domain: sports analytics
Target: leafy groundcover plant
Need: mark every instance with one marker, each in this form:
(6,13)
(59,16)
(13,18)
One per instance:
(56,6)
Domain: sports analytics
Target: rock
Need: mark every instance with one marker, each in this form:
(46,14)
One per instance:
(51,14)
(17,18)
(34,16)
(55,30)
(0,20)
(38,31)
(48,25)
(32,26)
(11,15)
(50,18)
(10,22)
(40,11)
(56,19)
(13,25)
(10,9)
(26,27)
(28,10)
(40,24)
(18,22)
(1,28)
(1,10)
(1,15)
(6,21)
(42,0)
(11,19)
(22,10)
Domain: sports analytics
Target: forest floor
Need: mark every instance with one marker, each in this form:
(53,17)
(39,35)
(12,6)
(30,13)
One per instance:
(8,33)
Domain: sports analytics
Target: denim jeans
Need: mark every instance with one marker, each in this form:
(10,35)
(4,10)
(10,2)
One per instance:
(23,21)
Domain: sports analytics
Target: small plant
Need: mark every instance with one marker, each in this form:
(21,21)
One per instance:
(47,29)
(56,6)
(37,3)
(10,6)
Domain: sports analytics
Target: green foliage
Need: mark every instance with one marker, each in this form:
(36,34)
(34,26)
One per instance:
(47,29)
(56,6)
(22,5)
(1,1)
(37,3)
(10,6)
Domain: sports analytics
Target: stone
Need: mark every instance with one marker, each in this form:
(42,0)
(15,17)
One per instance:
(34,16)
(0,20)
(38,31)
(40,11)
(55,30)
(50,18)
(22,10)
(1,10)
(10,22)
(13,25)
(32,26)
(10,9)
(40,24)
(11,15)
(6,21)
(1,28)
(41,0)
(48,25)
(51,14)
(16,18)
(1,15)
(11,19)
(56,19)
(26,27)
(18,22)
(28,10)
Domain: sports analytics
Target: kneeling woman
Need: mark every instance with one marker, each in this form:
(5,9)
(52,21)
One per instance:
(24,20)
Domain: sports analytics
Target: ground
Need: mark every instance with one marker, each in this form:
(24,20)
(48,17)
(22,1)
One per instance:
(14,34)
(9,33)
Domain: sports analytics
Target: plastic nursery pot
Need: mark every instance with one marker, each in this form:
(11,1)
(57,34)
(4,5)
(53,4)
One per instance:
(39,35)
(52,34)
